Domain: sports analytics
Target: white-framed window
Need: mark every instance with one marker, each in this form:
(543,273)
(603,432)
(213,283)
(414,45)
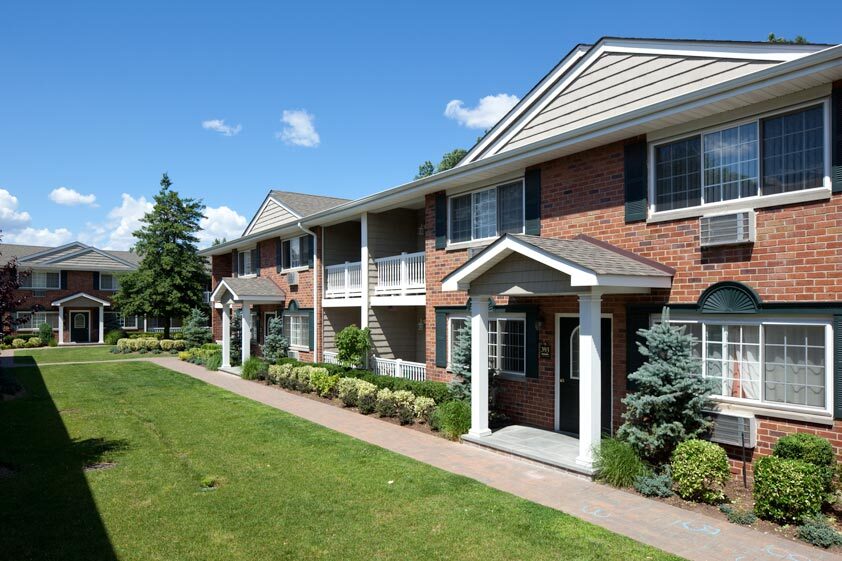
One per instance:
(125,322)
(506,342)
(773,154)
(574,354)
(35,319)
(41,280)
(255,324)
(486,213)
(454,325)
(297,330)
(295,253)
(108,281)
(247,262)
(776,362)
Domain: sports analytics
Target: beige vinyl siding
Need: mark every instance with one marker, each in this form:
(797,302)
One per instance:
(273,215)
(394,333)
(93,261)
(618,83)
(335,320)
(342,243)
(519,275)
(55,254)
(392,233)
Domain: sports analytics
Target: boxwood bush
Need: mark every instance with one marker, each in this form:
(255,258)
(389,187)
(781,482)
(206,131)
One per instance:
(700,471)
(809,448)
(787,490)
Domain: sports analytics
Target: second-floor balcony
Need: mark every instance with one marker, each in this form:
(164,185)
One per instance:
(343,280)
(399,275)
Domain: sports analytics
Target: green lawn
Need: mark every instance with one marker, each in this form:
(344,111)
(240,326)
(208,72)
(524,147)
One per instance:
(70,354)
(288,489)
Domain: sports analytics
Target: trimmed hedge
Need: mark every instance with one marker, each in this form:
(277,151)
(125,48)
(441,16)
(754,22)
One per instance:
(700,471)
(787,490)
(809,448)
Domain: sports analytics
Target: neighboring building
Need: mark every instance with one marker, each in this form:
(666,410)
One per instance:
(704,176)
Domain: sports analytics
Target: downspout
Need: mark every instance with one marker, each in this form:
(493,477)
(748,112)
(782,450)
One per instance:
(316,315)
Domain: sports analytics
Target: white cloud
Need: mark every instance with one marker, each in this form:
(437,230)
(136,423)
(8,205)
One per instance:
(121,221)
(71,197)
(299,129)
(220,222)
(10,217)
(218,125)
(42,236)
(488,111)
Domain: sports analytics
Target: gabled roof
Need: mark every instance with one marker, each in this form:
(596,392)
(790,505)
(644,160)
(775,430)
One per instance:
(74,255)
(251,289)
(81,296)
(617,75)
(287,207)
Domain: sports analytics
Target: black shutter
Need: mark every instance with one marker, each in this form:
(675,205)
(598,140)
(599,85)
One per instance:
(634,179)
(311,315)
(309,242)
(234,263)
(255,260)
(441,221)
(285,255)
(441,339)
(278,262)
(96,280)
(531,343)
(837,367)
(637,318)
(532,202)
(836,139)
(63,276)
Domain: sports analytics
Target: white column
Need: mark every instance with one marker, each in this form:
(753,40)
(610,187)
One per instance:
(101,325)
(246,351)
(364,279)
(61,325)
(479,366)
(226,335)
(590,376)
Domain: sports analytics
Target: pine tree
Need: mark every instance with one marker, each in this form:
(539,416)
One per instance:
(460,360)
(171,276)
(195,330)
(275,344)
(667,406)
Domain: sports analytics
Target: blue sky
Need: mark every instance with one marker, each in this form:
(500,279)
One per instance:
(101,98)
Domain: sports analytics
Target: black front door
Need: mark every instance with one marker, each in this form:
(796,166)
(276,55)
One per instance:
(80,328)
(568,373)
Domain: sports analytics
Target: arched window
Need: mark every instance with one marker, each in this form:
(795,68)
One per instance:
(574,354)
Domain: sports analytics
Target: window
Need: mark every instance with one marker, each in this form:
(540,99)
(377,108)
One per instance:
(35,319)
(247,263)
(254,326)
(455,324)
(765,361)
(487,213)
(785,150)
(107,281)
(41,280)
(297,330)
(506,342)
(574,354)
(296,252)
(114,320)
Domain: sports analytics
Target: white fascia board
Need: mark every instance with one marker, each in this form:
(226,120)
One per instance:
(222,285)
(61,301)
(52,250)
(57,261)
(262,299)
(269,199)
(399,300)
(355,302)
(634,281)
(251,239)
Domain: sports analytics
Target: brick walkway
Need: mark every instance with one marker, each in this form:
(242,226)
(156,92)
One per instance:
(681,532)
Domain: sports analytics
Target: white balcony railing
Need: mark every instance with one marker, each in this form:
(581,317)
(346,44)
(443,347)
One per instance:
(330,357)
(343,281)
(401,274)
(400,368)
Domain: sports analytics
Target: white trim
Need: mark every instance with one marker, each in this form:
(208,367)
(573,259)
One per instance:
(744,204)
(114,278)
(263,206)
(301,258)
(222,284)
(89,249)
(81,295)
(488,187)
(365,273)
(50,251)
(70,314)
(355,302)
(31,313)
(399,300)
(40,271)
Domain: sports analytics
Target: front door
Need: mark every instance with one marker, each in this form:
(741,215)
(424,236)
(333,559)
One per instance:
(568,375)
(80,327)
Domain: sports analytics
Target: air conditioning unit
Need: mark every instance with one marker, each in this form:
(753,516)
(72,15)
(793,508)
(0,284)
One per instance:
(292,278)
(727,229)
(733,429)
(293,354)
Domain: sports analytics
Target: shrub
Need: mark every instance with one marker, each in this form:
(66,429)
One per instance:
(700,471)
(324,383)
(143,351)
(738,516)
(210,347)
(167,344)
(18,343)
(178,345)
(811,449)
(150,343)
(34,342)
(347,391)
(787,490)
(195,331)
(386,405)
(817,531)
(366,397)
(453,418)
(617,463)
(281,375)
(437,391)
(184,355)
(45,333)
(300,379)
(424,407)
(254,368)
(275,345)
(654,485)
(214,361)
(353,345)
(404,406)
(114,336)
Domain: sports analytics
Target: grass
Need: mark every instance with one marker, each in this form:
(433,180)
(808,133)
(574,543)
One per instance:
(71,354)
(201,473)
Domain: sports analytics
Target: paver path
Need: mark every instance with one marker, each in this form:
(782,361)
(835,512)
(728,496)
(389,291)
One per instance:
(688,534)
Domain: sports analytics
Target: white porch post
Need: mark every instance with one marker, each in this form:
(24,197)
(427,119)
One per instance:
(226,335)
(246,351)
(590,376)
(479,366)
(61,325)
(101,324)
(364,278)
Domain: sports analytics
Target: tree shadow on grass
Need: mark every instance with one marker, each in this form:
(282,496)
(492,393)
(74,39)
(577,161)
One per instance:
(47,510)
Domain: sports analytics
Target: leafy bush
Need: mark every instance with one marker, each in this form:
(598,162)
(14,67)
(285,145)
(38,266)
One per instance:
(34,342)
(145,335)
(300,378)
(366,397)
(817,531)
(18,343)
(184,355)
(617,463)
(281,374)
(787,490)
(254,368)
(654,485)
(275,345)
(114,336)
(386,405)
(324,383)
(167,344)
(453,418)
(195,332)
(424,407)
(347,391)
(700,471)
(404,406)
(210,347)
(809,448)
(738,516)
(214,361)
(437,391)
(178,345)
(353,345)
(45,332)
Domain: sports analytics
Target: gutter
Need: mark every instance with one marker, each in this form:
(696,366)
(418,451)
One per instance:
(316,316)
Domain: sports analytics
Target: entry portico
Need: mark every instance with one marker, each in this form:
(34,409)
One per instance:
(234,292)
(80,306)
(526,266)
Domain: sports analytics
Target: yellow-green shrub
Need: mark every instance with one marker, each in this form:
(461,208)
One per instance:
(166,344)
(424,407)
(184,355)
(34,342)
(324,383)
(18,343)
(366,397)
(179,344)
(404,406)
(700,470)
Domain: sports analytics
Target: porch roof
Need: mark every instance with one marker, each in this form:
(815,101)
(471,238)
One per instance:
(254,290)
(587,261)
(76,296)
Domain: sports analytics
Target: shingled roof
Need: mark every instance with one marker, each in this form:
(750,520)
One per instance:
(23,252)
(304,204)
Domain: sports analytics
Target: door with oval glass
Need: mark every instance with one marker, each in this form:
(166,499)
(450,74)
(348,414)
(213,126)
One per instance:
(80,326)
(568,375)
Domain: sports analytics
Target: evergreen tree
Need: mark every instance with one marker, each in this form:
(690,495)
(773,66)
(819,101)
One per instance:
(171,276)
(275,344)
(450,159)
(460,360)
(425,170)
(195,330)
(236,336)
(667,406)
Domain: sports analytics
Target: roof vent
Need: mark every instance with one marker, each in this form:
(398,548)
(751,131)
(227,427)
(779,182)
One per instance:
(737,430)
(727,229)
(292,278)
